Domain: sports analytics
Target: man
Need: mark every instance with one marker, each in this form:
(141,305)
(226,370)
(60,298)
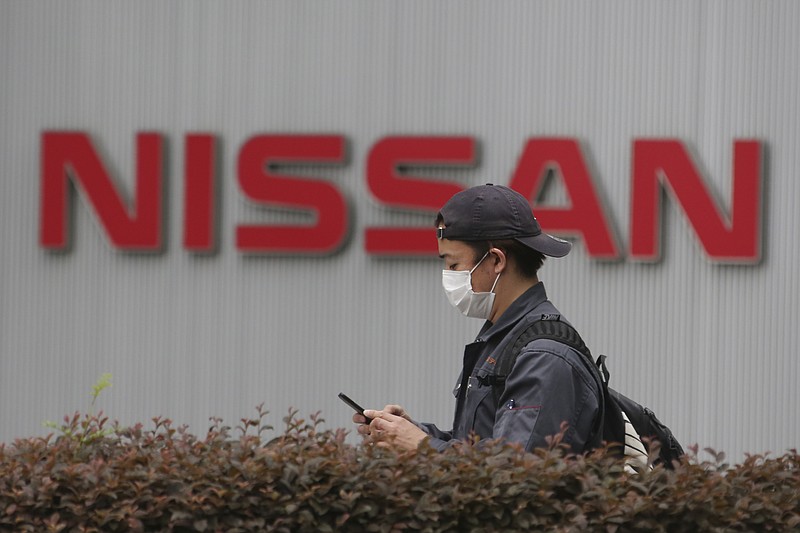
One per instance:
(493,247)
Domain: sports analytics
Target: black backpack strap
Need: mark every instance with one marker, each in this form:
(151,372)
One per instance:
(550,326)
(601,365)
(508,357)
(546,327)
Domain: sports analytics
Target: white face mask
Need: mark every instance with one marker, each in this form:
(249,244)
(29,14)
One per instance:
(458,288)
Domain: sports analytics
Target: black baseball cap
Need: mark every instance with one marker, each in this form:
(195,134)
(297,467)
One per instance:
(488,212)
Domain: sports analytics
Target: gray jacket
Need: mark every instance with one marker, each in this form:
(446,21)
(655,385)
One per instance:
(548,385)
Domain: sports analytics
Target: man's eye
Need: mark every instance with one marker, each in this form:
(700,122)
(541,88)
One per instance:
(453,266)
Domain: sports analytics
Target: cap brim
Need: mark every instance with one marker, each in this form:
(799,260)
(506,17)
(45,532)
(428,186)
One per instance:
(547,244)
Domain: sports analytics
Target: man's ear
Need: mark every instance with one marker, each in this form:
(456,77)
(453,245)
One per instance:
(500,259)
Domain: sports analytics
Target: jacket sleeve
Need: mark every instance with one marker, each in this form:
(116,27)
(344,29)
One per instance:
(438,439)
(547,386)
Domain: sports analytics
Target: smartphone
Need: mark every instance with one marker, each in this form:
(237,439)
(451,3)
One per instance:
(357,408)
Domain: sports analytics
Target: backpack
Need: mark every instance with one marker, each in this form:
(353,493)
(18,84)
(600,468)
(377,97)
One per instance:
(617,411)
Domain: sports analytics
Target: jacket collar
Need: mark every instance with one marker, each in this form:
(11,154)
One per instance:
(524,304)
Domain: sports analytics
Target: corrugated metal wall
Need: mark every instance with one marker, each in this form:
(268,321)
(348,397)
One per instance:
(711,348)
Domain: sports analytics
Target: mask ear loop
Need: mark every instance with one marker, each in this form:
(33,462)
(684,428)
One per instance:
(495,281)
(479,262)
(498,275)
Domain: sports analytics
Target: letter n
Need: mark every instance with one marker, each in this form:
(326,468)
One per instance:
(664,163)
(70,157)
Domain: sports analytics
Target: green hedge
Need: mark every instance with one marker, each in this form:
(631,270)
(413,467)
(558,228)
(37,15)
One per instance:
(97,476)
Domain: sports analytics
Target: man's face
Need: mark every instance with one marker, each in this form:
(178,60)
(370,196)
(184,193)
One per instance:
(458,255)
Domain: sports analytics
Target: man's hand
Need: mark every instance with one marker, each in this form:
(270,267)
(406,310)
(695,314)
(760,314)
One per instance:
(391,428)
